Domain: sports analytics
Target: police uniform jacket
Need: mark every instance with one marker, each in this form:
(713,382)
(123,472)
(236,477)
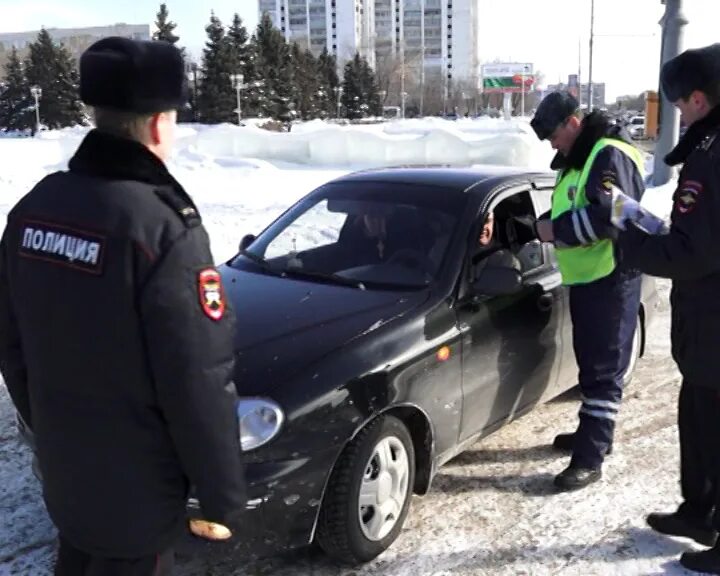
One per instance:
(116,345)
(690,253)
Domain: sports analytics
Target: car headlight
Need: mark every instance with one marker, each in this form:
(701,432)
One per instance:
(260,421)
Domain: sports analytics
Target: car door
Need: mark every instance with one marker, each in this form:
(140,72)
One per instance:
(511,344)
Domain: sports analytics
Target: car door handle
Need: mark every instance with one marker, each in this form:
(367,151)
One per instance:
(545,302)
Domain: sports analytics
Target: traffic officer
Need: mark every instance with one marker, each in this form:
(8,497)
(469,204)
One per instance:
(690,256)
(593,157)
(116,340)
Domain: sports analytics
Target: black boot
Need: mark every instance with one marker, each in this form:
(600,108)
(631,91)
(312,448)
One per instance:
(574,478)
(565,443)
(683,525)
(707,561)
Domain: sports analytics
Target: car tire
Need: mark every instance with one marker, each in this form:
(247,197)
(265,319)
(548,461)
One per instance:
(637,346)
(380,460)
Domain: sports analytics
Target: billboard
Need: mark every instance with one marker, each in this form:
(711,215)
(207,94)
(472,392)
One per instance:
(507,77)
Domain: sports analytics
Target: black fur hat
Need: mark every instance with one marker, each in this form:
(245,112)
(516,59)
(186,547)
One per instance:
(553,110)
(697,69)
(133,76)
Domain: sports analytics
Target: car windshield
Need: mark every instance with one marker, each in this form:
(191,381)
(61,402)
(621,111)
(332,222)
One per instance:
(363,234)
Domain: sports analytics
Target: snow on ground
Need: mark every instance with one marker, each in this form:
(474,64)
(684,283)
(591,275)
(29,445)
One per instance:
(490,510)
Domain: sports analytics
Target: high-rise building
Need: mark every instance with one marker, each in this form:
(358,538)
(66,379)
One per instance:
(76,40)
(428,35)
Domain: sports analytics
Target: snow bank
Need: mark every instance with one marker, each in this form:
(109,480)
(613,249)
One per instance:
(428,141)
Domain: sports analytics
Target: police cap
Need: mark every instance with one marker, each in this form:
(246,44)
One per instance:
(697,69)
(143,77)
(553,110)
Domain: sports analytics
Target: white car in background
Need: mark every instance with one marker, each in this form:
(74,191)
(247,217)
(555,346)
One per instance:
(636,127)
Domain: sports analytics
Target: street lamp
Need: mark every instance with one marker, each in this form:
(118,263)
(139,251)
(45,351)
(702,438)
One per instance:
(36,93)
(191,73)
(238,80)
(338,94)
(403,96)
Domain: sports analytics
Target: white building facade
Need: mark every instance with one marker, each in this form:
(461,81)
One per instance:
(434,36)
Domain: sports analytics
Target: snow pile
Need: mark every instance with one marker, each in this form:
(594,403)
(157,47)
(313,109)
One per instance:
(428,141)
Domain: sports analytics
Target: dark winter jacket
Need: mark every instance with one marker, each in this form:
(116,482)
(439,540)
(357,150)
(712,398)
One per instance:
(116,347)
(690,253)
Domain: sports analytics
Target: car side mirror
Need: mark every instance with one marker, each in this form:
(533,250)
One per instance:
(246,241)
(500,274)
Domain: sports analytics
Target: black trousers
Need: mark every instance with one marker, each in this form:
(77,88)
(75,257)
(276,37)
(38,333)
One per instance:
(604,316)
(699,426)
(74,562)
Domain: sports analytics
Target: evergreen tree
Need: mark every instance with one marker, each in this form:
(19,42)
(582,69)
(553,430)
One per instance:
(237,37)
(371,93)
(50,67)
(165,27)
(352,96)
(272,57)
(16,105)
(329,82)
(306,83)
(360,94)
(216,98)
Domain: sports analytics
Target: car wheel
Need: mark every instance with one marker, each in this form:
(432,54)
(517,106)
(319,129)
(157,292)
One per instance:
(635,353)
(368,495)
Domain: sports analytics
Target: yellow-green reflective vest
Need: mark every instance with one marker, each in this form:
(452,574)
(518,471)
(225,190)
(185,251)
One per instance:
(590,262)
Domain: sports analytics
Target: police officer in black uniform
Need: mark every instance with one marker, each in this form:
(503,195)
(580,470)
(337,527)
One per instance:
(690,256)
(116,341)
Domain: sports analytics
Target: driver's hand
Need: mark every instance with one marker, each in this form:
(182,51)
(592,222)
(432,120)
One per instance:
(544,229)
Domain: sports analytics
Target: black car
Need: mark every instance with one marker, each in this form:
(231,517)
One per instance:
(377,339)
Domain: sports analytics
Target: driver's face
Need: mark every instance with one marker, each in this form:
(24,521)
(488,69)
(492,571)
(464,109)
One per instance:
(487,230)
(374,225)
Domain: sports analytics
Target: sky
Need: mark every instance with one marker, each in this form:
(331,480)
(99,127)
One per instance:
(552,34)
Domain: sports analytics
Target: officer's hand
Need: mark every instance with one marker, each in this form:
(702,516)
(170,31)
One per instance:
(544,229)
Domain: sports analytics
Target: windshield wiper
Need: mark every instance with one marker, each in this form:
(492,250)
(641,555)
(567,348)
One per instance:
(323,277)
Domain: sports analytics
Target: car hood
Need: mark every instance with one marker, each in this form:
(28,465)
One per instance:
(286,324)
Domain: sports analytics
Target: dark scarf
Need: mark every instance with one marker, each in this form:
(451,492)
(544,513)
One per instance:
(594,126)
(694,136)
(104,155)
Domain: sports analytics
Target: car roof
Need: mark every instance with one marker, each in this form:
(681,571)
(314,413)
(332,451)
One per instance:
(461,179)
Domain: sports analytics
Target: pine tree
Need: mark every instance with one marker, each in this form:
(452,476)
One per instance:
(371,94)
(360,94)
(329,82)
(16,105)
(50,67)
(237,37)
(352,96)
(272,57)
(216,98)
(165,27)
(306,83)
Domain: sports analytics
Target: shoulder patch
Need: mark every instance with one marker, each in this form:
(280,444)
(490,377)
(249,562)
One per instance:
(687,195)
(62,245)
(184,209)
(212,295)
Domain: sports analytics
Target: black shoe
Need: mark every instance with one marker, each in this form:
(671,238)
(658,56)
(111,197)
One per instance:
(565,443)
(677,524)
(707,561)
(573,478)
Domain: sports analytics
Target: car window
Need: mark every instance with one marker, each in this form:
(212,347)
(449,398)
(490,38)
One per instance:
(315,228)
(383,234)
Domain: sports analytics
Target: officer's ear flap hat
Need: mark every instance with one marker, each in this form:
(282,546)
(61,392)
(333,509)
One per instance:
(142,77)
(553,110)
(697,69)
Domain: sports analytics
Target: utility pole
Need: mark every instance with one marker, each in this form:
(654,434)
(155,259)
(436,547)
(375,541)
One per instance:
(672,24)
(590,77)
